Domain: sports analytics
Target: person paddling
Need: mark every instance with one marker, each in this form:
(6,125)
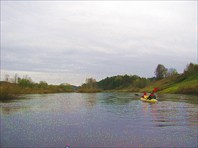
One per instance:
(145,95)
(152,95)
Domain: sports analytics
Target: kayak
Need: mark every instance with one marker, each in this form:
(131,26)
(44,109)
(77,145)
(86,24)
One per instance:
(147,100)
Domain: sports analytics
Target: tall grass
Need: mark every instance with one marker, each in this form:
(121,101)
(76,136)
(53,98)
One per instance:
(9,91)
(176,84)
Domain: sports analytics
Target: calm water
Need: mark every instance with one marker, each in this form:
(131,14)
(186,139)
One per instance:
(99,119)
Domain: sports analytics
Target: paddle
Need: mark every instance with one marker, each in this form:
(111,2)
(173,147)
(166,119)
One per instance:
(155,89)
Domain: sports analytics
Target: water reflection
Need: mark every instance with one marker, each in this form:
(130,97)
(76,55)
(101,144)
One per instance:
(108,119)
(43,103)
(179,98)
(90,100)
(68,103)
(171,114)
(9,110)
(118,98)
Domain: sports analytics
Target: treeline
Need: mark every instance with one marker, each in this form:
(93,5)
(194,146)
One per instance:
(119,82)
(133,83)
(166,79)
(115,83)
(27,82)
(191,69)
(184,83)
(11,88)
(90,86)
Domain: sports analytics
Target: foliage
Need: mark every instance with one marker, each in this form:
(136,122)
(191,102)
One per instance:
(89,86)
(43,84)
(185,83)
(25,85)
(191,69)
(172,82)
(123,82)
(67,87)
(171,72)
(9,91)
(91,83)
(160,71)
(25,82)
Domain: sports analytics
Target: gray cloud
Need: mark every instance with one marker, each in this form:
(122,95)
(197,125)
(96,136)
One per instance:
(96,39)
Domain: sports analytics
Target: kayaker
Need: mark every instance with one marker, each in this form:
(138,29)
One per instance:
(145,95)
(152,96)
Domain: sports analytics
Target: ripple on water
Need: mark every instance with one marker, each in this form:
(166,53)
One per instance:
(102,119)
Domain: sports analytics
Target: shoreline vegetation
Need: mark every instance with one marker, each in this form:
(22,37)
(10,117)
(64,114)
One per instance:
(167,80)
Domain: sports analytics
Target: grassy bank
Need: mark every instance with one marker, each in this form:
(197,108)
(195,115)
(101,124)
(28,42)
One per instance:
(9,91)
(178,84)
(185,83)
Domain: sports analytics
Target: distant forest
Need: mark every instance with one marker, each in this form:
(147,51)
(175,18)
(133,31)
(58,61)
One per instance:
(126,81)
(167,79)
(134,83)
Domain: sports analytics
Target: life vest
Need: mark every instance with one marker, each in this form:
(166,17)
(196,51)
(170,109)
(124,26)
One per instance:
(151,95)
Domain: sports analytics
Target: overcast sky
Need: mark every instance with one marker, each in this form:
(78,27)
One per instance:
(67,42)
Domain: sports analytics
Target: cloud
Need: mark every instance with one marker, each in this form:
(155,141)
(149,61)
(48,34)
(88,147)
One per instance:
(97,39)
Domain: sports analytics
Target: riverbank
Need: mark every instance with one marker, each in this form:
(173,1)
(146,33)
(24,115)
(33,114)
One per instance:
(177,84)
(9,91)
(185,83)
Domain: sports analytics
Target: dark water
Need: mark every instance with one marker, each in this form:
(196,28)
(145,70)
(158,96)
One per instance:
(99,120)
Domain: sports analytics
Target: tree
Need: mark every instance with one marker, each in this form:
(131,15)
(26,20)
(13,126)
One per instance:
(171,72)
(66,87)
(160,71)
(25,82)
(43,84)
(91,83)
(191,69)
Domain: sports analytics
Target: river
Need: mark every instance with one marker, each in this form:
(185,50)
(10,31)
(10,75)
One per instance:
(99,120)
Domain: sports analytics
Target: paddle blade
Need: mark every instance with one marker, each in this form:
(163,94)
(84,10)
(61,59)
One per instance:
(155,89)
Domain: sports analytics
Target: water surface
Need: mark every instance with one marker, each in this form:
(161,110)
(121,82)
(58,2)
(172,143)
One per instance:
(99,120)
